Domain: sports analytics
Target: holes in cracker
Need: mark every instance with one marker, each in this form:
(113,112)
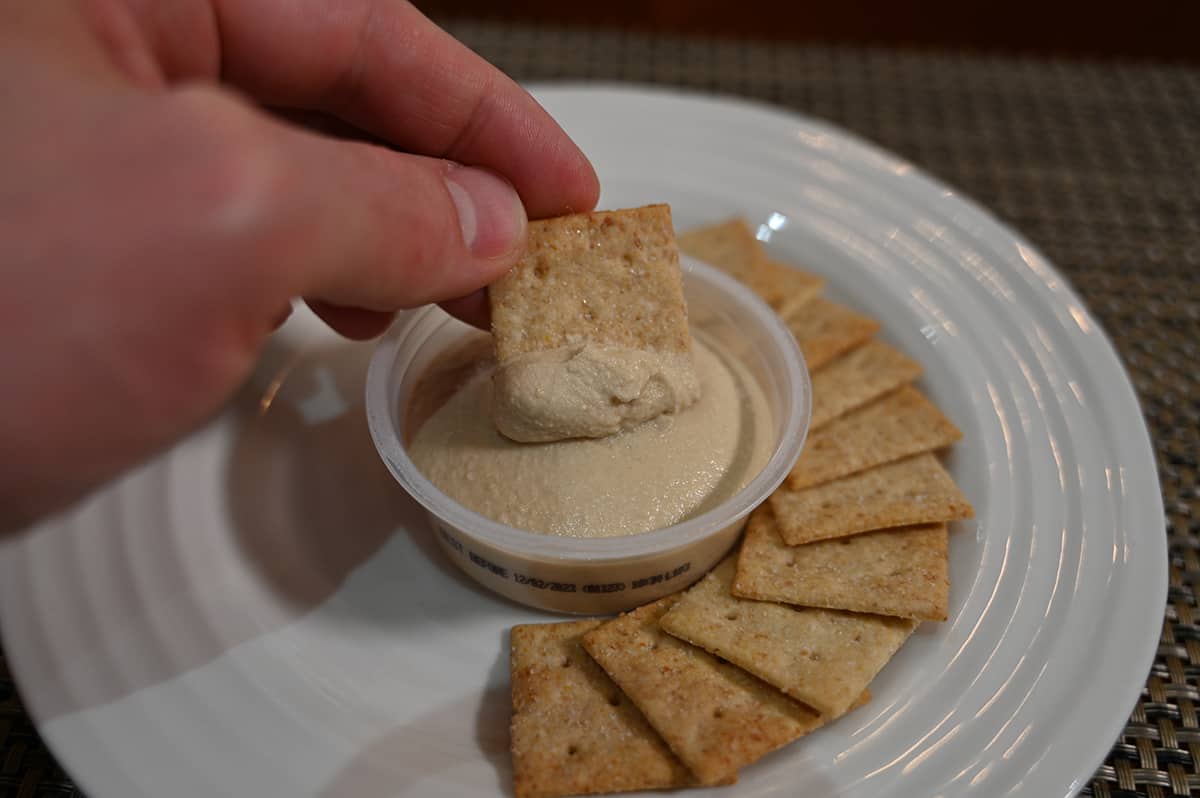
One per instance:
(614,700)
(566,663)
(572,750)
(718,713)
(731,616)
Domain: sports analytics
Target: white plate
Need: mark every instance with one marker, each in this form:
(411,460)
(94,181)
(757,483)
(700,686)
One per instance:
(261,611)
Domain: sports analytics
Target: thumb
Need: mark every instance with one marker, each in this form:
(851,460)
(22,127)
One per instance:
(384,230)
(353,225)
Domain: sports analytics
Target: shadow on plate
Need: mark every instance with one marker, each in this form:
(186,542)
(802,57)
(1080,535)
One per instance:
(312,527)
(311,501)
(396,763)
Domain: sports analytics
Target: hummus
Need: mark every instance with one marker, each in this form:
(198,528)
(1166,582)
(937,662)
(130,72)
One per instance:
(588,391)
(660,472)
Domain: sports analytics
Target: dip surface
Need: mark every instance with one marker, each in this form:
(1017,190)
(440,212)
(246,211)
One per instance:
(659,473)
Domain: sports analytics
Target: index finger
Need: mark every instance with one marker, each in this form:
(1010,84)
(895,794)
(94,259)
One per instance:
(384,67)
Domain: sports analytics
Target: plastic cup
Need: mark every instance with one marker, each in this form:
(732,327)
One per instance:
(597,575)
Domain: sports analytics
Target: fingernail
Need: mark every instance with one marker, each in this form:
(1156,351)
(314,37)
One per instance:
(489,211)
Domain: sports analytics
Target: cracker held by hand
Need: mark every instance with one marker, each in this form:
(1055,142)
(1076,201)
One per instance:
(716,717)
(901,572)
(916,490)
(824,658)
(591,327)
(573,731)
(898,425)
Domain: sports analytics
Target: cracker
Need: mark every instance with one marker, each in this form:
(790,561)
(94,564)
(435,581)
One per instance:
(729,245)
(573,732)
(916,490)
(732,247)
(899,572)
(786,288)
(716,717)
(823,658)
(826,329)
(898,425)
(610,278)
(857,377)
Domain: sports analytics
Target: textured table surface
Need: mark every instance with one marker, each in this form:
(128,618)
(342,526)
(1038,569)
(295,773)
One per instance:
(1098,164)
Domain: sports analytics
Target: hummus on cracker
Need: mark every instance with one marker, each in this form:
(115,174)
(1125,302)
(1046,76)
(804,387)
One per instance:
(589,391)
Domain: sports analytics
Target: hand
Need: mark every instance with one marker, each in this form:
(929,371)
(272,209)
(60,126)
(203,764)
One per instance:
(155,227)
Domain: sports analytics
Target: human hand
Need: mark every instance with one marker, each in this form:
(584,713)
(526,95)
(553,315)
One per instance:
(155,227)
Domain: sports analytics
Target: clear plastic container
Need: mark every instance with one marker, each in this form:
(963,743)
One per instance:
(597,575)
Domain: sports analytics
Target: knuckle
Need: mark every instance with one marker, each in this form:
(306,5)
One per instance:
(235,175)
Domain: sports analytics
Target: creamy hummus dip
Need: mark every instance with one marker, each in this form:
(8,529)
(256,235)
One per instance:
(660,472)
(588,391)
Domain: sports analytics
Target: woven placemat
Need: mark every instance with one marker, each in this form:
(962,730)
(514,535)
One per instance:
(1098,164)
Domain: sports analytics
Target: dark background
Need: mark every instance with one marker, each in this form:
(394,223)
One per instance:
(1151,29)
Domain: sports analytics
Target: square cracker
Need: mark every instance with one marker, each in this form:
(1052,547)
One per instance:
(732,248)
(573,732)
(609,278)
(826,329)
(900,572)
(824,658)
(916,490)
(857,377)
(786,288)
(716,717)
(729,245)
(898,425)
